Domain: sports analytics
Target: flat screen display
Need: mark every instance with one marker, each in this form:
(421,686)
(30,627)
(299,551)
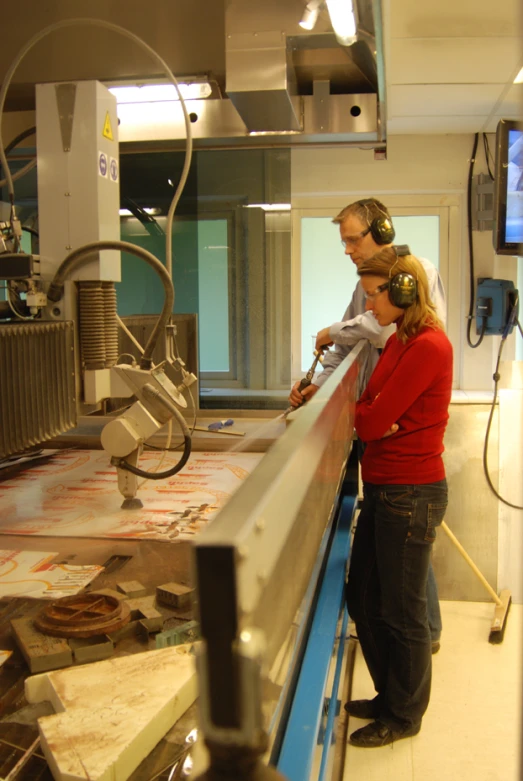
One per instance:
(508,190)
(514,219)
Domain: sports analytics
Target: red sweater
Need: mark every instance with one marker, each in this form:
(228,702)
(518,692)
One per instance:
(410,386)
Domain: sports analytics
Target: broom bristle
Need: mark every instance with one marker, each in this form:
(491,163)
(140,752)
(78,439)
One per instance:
(497,634)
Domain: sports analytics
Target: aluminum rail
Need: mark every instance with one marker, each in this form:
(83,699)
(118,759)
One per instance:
(254,562)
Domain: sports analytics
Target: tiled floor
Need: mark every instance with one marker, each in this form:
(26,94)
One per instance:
(472,729)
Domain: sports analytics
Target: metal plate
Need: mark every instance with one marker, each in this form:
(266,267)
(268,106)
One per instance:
(83,615)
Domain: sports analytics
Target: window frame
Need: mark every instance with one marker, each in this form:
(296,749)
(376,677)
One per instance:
(446,207)
(229,379)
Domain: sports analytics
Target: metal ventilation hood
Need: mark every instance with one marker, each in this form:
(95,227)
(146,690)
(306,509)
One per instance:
(261,82)
(307,86)
(285,89)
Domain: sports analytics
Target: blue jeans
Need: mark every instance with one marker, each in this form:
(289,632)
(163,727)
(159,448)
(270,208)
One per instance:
(387,594)
(435,623)
(433,610)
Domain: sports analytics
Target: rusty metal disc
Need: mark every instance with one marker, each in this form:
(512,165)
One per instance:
(83,615)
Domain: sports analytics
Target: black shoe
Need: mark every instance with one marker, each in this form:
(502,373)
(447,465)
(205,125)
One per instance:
(362,709)
(378,734)
(435,646)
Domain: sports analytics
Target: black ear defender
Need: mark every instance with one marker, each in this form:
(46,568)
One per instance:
(380,228)
(403,287)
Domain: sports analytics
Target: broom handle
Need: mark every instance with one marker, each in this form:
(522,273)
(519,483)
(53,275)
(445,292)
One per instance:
(469,561)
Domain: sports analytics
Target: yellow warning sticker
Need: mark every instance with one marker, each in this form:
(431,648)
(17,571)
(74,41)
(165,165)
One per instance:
(108,131)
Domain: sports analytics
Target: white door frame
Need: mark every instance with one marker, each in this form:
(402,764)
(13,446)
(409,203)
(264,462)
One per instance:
(446,207)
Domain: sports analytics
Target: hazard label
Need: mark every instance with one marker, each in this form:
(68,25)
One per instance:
(108,131)
(102,164)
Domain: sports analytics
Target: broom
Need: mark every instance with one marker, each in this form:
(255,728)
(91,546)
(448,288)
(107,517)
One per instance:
(503,602)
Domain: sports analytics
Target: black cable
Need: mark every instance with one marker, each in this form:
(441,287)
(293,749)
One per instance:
(482,334)
(150,224)
(157,475)
(153,395)
(18,139)
(174,449)
(496,378)
(25,313)
(163,449)
(486,148)
(511,321)
(471,247)
(519,326)
(32,231)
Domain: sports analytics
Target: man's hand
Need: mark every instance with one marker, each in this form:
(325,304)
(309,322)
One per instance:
(392,430)
(297,398)
(323,339)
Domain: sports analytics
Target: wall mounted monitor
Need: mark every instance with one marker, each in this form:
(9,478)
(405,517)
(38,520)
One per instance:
(508,189)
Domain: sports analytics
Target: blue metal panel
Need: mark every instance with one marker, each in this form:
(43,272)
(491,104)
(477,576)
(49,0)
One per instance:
(494,301)
(297,753)
(335,686)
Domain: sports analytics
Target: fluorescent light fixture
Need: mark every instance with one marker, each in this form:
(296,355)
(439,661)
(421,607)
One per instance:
(342,20)
(156,93)
(148,210)
(269,207)
(519,77)
(310,14)
(275,132)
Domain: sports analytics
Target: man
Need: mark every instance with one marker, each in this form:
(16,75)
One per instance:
(365,228)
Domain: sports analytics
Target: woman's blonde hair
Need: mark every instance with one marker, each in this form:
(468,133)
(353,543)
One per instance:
(422,313)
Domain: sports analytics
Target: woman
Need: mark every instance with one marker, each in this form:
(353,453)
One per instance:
(401,417)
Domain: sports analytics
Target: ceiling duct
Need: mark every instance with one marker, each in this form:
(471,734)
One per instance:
(261,83)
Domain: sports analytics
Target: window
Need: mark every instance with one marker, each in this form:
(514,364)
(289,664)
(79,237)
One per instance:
(324,278)
(231,264)
(213,296)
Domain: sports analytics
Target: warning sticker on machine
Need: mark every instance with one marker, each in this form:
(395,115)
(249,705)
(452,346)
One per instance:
(103,167)
(113,169)
(108,131)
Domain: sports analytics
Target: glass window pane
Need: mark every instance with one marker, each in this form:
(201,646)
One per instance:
(213,296)
(421,233)
(328,278)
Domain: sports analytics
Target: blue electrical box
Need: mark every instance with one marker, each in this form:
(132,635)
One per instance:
(495,299)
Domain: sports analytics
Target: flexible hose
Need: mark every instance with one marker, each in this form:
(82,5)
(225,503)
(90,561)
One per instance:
(126,33)
(11,145)
(485,447)
(83,254)
(471,247)
(22,172)
(30,131)
(155,395)
(512,320)
(193,426)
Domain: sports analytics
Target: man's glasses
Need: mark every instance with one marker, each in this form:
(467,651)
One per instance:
(354,240)
(379,289)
